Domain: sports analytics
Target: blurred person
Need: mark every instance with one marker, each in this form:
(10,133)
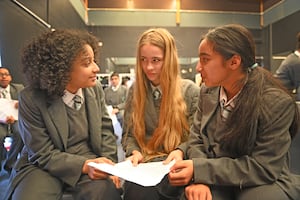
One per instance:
(63,122)
(239,143)
(115,96)
(159,108)
(9,126)
(289,70)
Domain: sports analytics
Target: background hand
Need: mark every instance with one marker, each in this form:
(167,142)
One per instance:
(10,120)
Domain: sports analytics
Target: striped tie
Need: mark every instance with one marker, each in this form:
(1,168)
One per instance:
(77,102)
(4,94)
(225,110)
(156,94)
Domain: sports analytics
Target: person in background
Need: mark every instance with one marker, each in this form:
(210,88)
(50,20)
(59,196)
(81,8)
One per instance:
(289,70)
(126,81)
(9,127)
(239,143)
(63,122)
(115,96)
(159,108)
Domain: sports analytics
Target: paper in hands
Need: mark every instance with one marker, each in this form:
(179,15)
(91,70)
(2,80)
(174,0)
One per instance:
(7,108)
(145,174)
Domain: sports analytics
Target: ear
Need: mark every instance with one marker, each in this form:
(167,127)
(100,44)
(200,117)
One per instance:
(235,62)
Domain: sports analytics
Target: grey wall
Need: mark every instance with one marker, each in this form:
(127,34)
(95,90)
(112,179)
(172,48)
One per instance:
(17,27)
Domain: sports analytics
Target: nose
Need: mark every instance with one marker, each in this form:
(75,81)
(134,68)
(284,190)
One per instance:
(149,65)
(96,68)
(198,67)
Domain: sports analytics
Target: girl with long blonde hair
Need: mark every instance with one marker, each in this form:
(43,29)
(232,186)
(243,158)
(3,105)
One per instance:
(156,125)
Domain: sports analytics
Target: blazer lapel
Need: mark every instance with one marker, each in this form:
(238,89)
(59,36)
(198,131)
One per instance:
(58,114)
(210,100)
(93,117)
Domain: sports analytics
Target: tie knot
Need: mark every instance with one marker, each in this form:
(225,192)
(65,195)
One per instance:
(4,93)
(77,102)
(156,94)
(225,110)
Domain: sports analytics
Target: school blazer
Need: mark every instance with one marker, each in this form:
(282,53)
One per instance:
(269,160)
(44,130)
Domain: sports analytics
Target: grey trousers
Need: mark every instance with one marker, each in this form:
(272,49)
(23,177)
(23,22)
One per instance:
(39,185)
(264,192)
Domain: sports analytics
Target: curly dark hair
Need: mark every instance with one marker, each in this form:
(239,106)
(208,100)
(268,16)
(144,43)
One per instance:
(47,60)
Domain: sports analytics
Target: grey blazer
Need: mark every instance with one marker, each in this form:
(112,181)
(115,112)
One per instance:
(268,162)
(190,92)
(44,130)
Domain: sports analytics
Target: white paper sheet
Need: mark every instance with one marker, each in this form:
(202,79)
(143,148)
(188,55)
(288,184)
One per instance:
(145,174)
(7,108)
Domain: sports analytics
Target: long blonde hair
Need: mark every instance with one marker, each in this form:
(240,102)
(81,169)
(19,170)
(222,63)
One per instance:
(172,123)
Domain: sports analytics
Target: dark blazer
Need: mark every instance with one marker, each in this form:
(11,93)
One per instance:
(268,162)
(44,130)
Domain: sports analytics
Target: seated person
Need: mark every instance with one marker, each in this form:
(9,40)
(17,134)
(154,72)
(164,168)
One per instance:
(63,122)
(9,126)
(239,143)
(115,96)
(159,108)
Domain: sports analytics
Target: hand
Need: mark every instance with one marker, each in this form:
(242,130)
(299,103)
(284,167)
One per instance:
(116,181)
(115,111)
(136,157)
(16,105)
(95,173)
(181,173)
(10,120)
(198,192)
(174,155)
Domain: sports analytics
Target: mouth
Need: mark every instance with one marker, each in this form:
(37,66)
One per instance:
(93,77)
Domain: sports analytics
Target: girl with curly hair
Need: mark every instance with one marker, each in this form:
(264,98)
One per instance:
(239,143)
(160,106)
(62,135)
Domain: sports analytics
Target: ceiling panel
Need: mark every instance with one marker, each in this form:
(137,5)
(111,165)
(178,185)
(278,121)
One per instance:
(209,5)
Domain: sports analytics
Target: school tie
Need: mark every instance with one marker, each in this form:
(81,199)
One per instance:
(225,110)
(77,102)
(4,94)
(156,94)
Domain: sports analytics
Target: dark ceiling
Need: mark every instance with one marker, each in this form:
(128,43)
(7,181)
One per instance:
(203,5)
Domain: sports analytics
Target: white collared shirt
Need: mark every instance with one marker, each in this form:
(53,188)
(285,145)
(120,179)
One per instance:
(68,97)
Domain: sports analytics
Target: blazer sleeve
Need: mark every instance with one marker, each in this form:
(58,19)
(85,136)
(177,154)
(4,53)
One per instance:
(129,142)
(108,142)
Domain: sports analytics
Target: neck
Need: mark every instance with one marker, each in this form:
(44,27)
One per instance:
(235,86)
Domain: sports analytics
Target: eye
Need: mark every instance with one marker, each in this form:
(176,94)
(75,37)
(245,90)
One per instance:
(203,60)
(142,59)
(156,60)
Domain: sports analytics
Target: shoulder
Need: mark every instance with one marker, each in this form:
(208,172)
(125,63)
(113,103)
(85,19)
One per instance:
(16,86)
(271,93)
(189,86)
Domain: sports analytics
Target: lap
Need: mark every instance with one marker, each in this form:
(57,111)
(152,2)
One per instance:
(272,191)
(39,184)
(134,191)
